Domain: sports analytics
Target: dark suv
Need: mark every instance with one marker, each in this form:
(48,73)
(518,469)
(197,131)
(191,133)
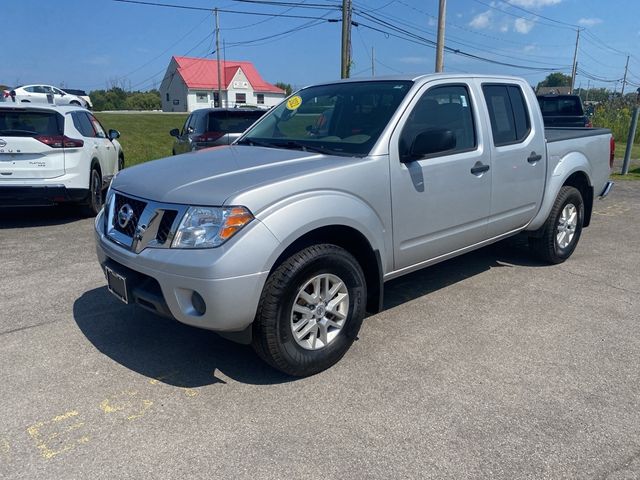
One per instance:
(563,111)
(210,127)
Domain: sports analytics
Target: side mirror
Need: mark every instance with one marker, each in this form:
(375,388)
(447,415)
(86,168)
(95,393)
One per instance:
(175,132)
(113,134)
(429,142)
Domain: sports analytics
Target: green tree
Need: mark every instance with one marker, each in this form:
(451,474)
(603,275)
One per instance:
(285,86)
(555,79)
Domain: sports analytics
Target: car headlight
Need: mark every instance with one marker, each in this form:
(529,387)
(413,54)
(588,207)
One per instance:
(208,227)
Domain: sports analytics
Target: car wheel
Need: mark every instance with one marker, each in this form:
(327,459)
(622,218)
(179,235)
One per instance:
(562,228)
(73,102)
(96,197)
(120,162)
(311,310)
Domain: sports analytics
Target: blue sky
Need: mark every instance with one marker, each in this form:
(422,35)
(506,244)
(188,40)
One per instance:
(90,43)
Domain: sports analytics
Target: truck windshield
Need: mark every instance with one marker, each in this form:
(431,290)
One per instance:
(341,119)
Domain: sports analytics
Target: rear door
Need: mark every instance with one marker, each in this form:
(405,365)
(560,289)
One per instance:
(518,154)
(31,144)
(108,154)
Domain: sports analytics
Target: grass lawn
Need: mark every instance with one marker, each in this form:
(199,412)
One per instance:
(621,147)
(144,136)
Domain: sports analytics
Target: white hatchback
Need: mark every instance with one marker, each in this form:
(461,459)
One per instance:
(43,94)
(52,154)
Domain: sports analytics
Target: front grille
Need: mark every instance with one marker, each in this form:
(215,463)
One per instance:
(136,205)
(165,225)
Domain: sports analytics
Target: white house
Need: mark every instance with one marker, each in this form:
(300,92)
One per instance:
(192,83)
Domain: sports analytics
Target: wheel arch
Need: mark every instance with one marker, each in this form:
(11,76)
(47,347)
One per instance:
(354,242)
(580,181)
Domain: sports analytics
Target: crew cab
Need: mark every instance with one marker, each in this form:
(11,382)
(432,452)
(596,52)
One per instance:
(285,238)
(55,154)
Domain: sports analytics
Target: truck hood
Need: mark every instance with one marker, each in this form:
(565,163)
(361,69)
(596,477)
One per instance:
(210,176)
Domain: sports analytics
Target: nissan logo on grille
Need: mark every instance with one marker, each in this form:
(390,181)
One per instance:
(125,214)
(2,143)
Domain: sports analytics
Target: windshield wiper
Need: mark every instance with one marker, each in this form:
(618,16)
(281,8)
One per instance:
(293,145)
(257,143)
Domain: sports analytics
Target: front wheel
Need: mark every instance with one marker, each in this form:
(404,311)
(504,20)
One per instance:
(311,310)
(562,228)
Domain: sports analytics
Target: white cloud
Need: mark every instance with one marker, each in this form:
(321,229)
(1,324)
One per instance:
(413,60)
(432,22)
(522,26)
(482,20)
(589,22)
(534,3)
(504,28)
(529,48)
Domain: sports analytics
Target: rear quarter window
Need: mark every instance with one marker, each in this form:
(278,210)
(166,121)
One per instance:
(510,121)
(30,123)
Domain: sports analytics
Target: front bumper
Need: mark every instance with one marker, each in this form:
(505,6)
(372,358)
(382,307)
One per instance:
(41,195)
(229,278)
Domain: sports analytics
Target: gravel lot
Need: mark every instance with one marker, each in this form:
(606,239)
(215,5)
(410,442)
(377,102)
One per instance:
(487,366)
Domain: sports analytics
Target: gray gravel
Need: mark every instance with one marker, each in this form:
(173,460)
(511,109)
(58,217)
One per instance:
(487,366)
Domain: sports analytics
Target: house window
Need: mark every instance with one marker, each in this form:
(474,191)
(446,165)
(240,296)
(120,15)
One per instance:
(260,98)
(176,102)
(241,98)
(202,97)
(167,96)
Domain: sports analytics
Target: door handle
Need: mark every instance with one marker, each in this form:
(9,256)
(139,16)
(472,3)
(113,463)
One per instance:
(479,168)
(534,157)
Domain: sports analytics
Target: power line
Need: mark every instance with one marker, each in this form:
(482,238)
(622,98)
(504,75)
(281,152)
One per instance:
(538,15)
(506,12)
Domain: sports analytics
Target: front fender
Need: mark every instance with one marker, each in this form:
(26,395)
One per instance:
(565,167)
(298,215)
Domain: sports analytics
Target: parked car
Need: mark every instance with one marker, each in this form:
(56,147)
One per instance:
(210,127)
(82,94)
(43,94)
(563,111)
(51,155)
(285,238)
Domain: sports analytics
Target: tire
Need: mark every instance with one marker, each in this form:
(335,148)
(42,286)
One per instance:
(304,280)
(77,104)
(96,194)
(566,217)
(120,162)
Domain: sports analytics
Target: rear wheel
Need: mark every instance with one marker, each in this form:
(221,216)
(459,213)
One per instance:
(562,228)
(96,197)
(120,162)
(311,310)
(73,102)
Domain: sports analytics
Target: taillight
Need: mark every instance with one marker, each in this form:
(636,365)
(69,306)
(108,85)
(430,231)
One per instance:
(59,141)
(612,150)
(208,137)
(588,123)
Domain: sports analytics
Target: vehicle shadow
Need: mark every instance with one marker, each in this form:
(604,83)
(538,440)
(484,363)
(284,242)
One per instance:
(184,356)
(24,217)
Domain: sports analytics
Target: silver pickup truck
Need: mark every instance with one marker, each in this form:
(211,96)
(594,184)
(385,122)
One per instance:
(286,238)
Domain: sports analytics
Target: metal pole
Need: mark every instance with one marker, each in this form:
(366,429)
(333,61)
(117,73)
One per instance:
(632,134)
(346,39)
(373,68)
(218,58)
(440,43)
(575,61)
(624,80)
(588,88)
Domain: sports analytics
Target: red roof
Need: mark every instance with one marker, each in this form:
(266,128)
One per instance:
(203,73)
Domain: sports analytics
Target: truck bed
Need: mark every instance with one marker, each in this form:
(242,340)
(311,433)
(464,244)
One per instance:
(557,134)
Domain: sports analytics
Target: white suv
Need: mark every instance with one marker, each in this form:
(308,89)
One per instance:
(53,154)
(44,94)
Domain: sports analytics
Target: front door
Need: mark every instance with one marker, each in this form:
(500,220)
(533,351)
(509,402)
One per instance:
(442,200)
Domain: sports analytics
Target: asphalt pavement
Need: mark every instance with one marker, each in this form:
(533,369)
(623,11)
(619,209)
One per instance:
(490,365)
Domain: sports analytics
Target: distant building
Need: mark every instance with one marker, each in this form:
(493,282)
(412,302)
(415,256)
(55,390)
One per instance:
(192,83)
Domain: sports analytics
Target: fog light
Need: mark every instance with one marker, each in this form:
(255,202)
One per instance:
(198,303)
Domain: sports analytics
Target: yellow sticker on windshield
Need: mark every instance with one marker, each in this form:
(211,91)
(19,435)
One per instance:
(294,102)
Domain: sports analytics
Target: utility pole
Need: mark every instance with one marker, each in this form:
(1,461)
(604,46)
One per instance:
(373,63)
(624,80)
(588,88)
(218,58)
(346,39)
(575,61)
(440,44)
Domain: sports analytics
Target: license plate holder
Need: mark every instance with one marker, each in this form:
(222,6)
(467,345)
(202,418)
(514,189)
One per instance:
(117,285)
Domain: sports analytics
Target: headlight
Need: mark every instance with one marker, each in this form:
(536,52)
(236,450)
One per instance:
(207,227)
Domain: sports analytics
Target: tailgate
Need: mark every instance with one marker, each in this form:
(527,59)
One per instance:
(30,144)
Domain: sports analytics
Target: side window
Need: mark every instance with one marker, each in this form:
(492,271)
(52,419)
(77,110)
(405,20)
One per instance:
(100,133)
(441,121)
(82,124)
(187,125)
(510,122)
(29,89)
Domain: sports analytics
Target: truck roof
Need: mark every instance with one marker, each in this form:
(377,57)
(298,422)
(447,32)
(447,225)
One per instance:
(424,77)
